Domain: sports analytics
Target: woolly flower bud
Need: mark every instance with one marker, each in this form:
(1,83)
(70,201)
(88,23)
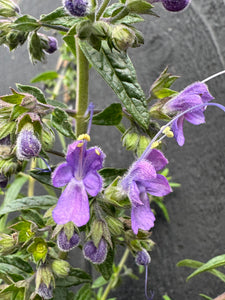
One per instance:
(123,37)
(77,8)
(65,244)
(44,291)
(60,267)
(52,45)
(28,145)
(175,5)
(143,258)
(96,255)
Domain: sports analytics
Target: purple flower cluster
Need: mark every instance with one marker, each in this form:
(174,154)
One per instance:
(173,5)
(141,179)
(193,95)
(79,174)
(77,8)
(28,145)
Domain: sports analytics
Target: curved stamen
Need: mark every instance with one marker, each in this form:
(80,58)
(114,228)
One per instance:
(148,149)
(91,110)
(213,76)
(146,285)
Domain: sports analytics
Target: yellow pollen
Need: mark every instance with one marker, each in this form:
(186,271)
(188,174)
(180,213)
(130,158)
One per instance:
(97,152)
(155,144)
(167,131)
(80,144)
(84,136)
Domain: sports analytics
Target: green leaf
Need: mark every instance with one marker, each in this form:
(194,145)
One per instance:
(130,19)
(106,268)
(60,121)
(76,276)
(59,17)
(26,23)
(34,216)
(36,92)
(100,281)
(140,7)
(7,129)
(162,206)
(84,293)
(49,75)
(118,71)
(16,261)
(201,267)
(205,297)
(13,99)
(112,115)
(110,174)
(42,202)
(56,103)
(24,228)
(42,176)
(113,10)
(17,111)
(39,249)
(36,47)
(165,297)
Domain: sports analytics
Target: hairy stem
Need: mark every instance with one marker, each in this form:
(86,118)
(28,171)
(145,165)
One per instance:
(82,90)
(115,276)
(56,27)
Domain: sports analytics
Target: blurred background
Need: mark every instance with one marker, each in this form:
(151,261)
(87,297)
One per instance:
(192,44)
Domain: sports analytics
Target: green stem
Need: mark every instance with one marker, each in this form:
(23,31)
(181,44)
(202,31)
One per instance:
(56,27)
(31,183)
(115,276)
(121,128)
(102,9)
(82,90)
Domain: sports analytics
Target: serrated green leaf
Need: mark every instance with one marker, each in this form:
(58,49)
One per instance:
(112,115)
(49,75)
(106,268)
(118,71)
(76,276)
(26,23)
(59,17)
(7,129)
(110,174)
(36,92)
(16,261)
(207,267)
(60,121)
(43,202)
(84,293)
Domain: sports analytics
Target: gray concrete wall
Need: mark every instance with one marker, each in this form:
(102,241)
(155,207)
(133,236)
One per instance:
(192,44)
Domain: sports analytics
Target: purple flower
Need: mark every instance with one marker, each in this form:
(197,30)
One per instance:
(28,145)
(52,45)
(96,255)
(66,245)
(175,5)
(79,174)
(194,94)
(142,178)
(44,291)
(77,8)
(143,258)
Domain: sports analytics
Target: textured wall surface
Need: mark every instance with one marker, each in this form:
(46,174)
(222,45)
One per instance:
(192,44)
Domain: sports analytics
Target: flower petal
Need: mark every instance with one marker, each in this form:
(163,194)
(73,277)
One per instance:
(62,175)
(93,159)
(93,183)
(74,154)
(196,117)
(199,88)
(183,102)
(158,186)
(141,215)
(72,205)
(157,158)
(142,170)
(134,193)
(177,128)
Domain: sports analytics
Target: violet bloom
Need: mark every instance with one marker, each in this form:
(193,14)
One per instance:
(28,145)
(79,174)
(66,245)
(142,178)
(194,94)
(96,255)
(77,8)
(52,45)
(175,5)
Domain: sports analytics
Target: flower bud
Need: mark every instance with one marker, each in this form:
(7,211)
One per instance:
(130,140)
(175,5)
(3,180)
(52,45)
(8,8)
(60,267)
(5,147)
(44,291)
(28,145)
(115,226)
(65,244)
(123,37)
(77,8)
(96,255)
(7,243)
(43,282)
(143,144)
(143,258)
